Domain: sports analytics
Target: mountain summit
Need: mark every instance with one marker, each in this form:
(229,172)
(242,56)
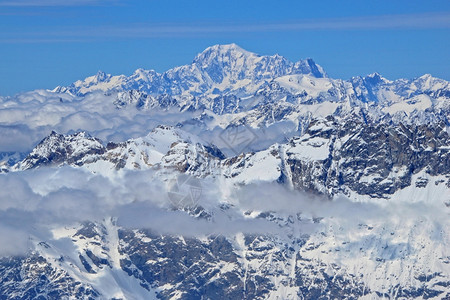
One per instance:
(219,69)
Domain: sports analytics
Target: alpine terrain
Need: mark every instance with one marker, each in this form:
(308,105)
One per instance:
(238,176)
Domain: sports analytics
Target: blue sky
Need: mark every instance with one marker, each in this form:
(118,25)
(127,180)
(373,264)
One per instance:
(45,43)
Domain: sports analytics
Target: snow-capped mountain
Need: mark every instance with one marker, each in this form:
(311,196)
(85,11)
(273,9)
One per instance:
(259,91)
(162,147)
(356,159)
(223,78)
(300,186)
(217,70)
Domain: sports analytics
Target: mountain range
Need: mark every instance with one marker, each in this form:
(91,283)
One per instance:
(236,176)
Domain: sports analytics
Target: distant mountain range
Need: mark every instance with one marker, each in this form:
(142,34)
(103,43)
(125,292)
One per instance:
(227,79)
(219,69)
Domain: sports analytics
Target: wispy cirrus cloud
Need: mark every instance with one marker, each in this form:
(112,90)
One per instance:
(439,20)
(383,22)
(38,3)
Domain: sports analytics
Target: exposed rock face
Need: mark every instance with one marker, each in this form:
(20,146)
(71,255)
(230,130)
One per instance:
(220,267)
(369,159)
(58,149)
(33,277)
(164,146)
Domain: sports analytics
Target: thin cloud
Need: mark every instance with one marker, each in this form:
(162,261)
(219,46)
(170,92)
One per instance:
(439,20)
(41,40)
(17,13)
(41,3)
(32,200)
(411,21)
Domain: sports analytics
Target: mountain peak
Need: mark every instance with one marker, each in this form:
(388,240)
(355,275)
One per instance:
(219,51)
(428,82)
(376,78)
(225,48)
(144,75)
(374,75)
(425,76)
(101,76)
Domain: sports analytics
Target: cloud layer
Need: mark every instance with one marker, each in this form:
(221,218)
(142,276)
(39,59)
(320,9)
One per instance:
(127,31)
(44,3)
(29,117)
(33,202)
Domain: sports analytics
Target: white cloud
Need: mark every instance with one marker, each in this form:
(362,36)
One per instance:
(33,202)
(440,20)
(35,3)
(28,118)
